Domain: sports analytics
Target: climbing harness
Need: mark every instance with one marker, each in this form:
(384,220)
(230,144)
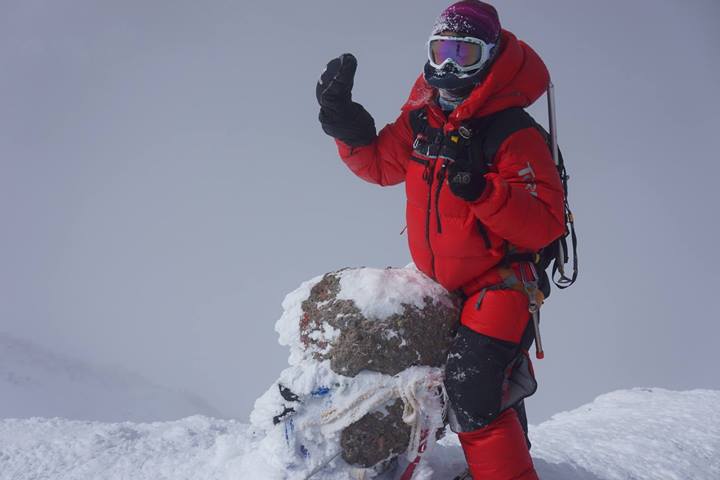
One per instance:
(521,277)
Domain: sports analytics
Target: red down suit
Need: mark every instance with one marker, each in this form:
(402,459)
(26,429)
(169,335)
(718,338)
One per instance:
(462,244)
(521,208)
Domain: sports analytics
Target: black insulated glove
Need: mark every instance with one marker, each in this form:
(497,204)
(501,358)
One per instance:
(340,117)
(466,178)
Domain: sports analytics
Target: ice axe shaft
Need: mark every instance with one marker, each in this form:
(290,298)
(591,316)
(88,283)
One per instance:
(552,120)
(539,352)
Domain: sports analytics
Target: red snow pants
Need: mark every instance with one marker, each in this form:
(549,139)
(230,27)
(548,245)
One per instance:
(491,343)
(498,451)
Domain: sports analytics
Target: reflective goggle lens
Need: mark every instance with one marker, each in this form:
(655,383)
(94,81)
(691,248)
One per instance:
(460,52)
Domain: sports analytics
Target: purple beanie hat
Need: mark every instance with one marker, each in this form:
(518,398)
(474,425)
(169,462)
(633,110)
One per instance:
(470,17)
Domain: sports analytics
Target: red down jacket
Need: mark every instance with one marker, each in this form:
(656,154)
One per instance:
(522,206)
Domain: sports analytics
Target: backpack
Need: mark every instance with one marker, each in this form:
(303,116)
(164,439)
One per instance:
(483,136)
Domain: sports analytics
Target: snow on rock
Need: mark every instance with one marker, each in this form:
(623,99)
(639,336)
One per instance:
(381,293)
(360,294)
(31,375)
(641,434)
(410,322)
(288,326)
(367,346)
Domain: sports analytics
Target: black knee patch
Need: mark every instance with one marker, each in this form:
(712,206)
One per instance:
(477,376)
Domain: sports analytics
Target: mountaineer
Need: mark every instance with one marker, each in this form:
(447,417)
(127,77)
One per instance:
(486,200)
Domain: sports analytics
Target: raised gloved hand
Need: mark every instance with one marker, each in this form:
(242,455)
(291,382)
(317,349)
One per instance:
(340,117)
(466,177)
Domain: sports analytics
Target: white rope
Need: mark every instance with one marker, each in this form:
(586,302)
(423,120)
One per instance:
(428,412)
(338,417)
(424,401)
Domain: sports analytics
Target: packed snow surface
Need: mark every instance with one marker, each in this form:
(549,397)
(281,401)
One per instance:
(641,434)
(637,434)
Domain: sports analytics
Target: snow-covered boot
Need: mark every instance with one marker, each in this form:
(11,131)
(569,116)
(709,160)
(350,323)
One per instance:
(499,451)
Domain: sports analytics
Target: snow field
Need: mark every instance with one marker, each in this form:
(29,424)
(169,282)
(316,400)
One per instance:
(641,434)
(636,434)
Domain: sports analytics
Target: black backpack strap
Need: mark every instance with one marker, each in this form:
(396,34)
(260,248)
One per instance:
(492,130)
(487,136)
(484,136)
(564,281)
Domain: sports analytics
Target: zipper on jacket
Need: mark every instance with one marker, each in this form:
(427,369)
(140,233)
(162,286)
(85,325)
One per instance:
(483,232)
(427,174)
(428,177)
(441,180)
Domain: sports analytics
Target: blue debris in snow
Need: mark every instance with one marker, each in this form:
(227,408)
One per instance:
(289,428)
(320,391)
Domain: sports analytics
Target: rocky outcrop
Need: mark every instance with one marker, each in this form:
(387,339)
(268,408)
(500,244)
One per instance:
(413,336)
(417,333)
(367,351)
(375,437)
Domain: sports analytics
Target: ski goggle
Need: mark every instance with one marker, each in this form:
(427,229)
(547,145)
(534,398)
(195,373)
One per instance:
(467,53)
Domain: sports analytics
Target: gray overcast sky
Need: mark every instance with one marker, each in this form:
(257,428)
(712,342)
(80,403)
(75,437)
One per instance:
(164,181)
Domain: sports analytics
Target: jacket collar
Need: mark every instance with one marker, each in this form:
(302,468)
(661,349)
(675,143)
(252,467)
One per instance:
(517,78)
